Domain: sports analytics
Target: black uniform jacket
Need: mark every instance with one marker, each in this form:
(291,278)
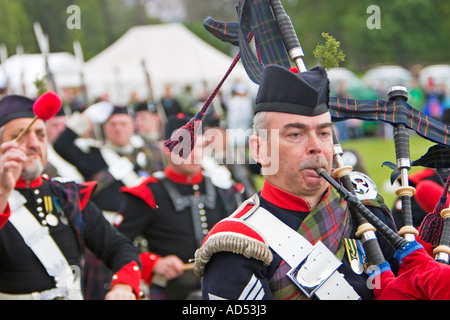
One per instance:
(228,275)
(150,212)
(20,270)
(92,166)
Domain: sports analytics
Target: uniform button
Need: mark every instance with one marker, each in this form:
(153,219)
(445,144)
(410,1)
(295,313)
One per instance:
(135,268)
(201,205)
(202,212)
(115,277)
(39,209)
(39,200)
(36,191)
(205,231)
(202,218)
(195,187)
(204,225)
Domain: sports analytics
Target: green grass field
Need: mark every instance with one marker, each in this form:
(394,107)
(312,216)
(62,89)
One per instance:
(374,151)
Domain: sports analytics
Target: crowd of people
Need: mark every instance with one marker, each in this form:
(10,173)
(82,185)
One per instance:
(156,204)
(93,206)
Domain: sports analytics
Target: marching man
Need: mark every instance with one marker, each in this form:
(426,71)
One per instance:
(46,225)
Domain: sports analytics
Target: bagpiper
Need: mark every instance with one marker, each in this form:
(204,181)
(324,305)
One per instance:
(260,251)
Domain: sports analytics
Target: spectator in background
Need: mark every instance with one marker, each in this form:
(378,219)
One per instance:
(433,106)
(187,100)
(169,103)
(239,119)
(57,166)
(147,121)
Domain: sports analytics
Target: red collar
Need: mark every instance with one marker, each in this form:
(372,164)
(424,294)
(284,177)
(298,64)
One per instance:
(283,199)
(181,178)
(33,184)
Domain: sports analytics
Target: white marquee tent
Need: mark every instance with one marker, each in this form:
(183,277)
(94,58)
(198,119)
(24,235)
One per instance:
(172,54)
(21,70)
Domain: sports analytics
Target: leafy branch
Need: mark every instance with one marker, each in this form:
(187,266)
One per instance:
(41,85)
(329,55)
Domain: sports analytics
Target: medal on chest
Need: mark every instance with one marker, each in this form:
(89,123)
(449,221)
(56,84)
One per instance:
(50,218)
(356,255)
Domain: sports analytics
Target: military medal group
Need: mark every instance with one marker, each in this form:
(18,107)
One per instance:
(46,213)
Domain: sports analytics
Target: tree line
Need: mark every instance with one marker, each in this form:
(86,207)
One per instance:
(403,32)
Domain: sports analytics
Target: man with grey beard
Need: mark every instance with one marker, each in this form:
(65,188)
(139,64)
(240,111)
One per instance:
(46,225)
(295,239)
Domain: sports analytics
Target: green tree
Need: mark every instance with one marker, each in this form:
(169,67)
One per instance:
(14,26)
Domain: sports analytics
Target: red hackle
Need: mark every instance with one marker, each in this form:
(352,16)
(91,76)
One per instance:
(177,142)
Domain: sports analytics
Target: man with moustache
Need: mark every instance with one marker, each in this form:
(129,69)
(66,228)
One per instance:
(46,225)
(255,252)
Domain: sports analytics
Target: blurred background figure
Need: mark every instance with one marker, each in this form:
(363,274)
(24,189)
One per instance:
(169,103)
(147,121)
(170,213)
(57,166)
(113,163)
(219,152)
(239,119)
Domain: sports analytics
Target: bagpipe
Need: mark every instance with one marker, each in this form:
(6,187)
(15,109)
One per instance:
(420,276)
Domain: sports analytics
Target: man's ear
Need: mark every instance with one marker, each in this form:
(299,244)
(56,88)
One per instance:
(266,153)
(254,145)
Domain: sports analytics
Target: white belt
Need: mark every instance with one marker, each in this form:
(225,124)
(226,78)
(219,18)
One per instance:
(51,294)
(120,167)
(38,238)
(109,216)
(313,267)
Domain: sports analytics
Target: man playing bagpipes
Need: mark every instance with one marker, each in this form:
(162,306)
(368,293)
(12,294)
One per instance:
(251,237)
(257,241)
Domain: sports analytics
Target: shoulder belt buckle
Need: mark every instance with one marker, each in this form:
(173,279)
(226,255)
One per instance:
(313,271)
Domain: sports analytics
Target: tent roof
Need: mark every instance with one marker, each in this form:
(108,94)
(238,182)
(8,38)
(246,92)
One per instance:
(172,54)
(23,69)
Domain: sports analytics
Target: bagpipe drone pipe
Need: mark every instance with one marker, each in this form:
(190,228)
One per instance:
(275,42)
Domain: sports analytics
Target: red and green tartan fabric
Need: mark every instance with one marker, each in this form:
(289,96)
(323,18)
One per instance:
(394,112)
(328,222)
